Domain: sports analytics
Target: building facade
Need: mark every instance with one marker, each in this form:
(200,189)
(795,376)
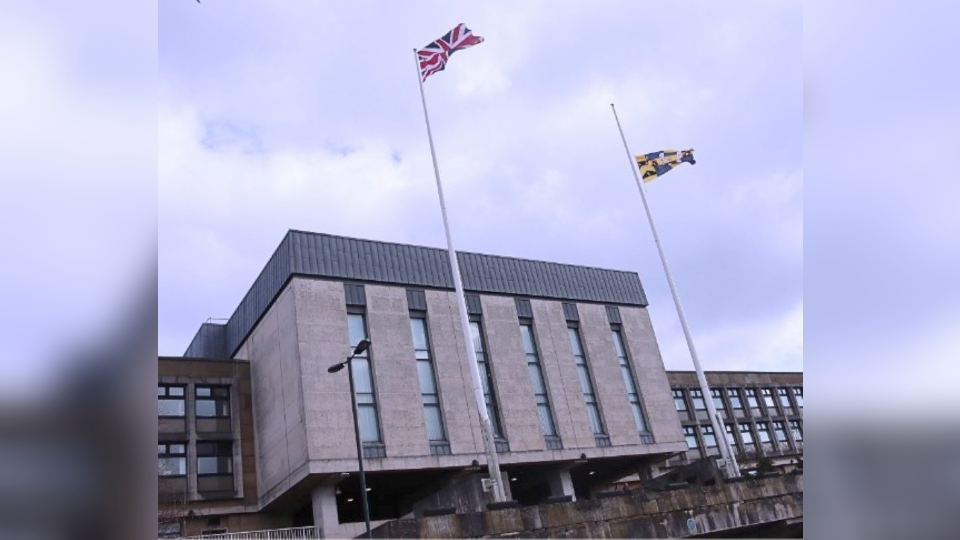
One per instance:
(572,375)
(762,416)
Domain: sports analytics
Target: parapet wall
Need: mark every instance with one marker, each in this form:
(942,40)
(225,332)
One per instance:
(679,513)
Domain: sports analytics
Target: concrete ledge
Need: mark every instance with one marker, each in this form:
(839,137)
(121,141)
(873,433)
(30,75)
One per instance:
(503,505)
(721,508)
(431,512)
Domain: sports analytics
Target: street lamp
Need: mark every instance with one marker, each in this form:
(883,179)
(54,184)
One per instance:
(359,349)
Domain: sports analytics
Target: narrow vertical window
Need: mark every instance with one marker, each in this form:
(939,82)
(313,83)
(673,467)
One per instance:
(697,396)
(731,438)
(678,401)
(734,396)
(363,381)
(428,382)
(537,380)
(784,395)
(709,439)
(690,434)
(586,383)
(798,395)
(629,382)
(717,396)
(767,394)
(780,431)
(746,435)
(797,431)
(486,378)
(763,431)
(751,398)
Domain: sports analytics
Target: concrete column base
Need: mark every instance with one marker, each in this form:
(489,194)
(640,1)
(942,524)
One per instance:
(560,483)
(324,499)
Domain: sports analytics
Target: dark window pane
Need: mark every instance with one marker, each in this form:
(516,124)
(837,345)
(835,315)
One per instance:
(494,418)
(215,465)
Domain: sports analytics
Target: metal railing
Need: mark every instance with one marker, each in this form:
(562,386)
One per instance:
(293,533)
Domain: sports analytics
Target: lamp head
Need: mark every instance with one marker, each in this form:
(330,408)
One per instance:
(362,346)
(335,368)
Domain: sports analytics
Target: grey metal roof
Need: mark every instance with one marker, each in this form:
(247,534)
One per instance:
(327,256)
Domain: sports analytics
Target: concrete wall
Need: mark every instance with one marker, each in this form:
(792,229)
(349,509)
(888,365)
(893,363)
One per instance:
(395,372)
(274,353)
(323,341)
(651,376)
(715,509)
(511,378)
(560,370)
(607,380)
(453,377)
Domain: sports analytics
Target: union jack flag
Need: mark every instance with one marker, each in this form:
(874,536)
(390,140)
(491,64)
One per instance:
(433,57)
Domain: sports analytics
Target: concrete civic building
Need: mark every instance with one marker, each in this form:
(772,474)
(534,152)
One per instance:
(255,433)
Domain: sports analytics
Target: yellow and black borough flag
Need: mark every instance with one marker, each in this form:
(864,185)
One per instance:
(657,164)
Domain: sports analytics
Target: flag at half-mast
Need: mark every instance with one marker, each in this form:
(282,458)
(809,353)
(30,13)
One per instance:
(433,57)
(657,164)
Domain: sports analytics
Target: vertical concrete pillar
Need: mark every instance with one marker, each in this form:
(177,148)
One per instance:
(505,482)
(190,418)
(324,499)
(561,483)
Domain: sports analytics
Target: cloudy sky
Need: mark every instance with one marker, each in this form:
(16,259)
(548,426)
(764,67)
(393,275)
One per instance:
(277,116)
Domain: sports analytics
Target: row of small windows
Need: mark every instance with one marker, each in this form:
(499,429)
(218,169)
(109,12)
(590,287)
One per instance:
(433,416)
(209,401)
(763,433)
(733,394)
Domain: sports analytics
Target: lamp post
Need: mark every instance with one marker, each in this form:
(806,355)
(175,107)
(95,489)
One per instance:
(359,349)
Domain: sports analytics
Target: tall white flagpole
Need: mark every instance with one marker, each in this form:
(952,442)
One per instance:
(733,471)
(493,463)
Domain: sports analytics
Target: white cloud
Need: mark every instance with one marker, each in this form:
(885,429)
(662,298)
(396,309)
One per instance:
(531,160)
(774,343)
